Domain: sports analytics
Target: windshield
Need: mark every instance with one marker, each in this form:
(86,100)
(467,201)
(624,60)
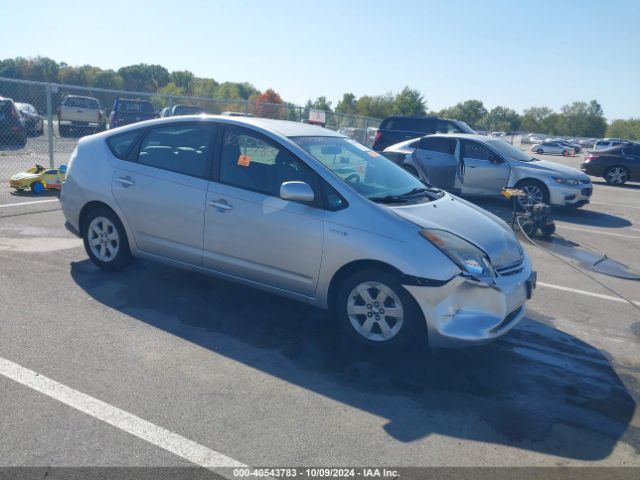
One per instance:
(509,151)
(366,171)
(464,128)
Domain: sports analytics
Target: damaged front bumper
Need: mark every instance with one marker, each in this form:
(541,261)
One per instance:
(466,311)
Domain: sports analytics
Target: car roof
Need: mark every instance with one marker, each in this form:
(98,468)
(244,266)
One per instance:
(470,136)
(285,128)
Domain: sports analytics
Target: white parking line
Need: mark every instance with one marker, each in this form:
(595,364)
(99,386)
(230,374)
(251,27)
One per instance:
(28,203)
(599,232)
(584,292)
(170,441)
(614,205)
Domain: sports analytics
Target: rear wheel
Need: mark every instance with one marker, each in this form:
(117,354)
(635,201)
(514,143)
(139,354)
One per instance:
(616,175)
(375,310)
(105,240)
(539,151)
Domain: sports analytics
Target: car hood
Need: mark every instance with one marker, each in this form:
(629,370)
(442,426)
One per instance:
(545,166)
(24,176)
(470,222)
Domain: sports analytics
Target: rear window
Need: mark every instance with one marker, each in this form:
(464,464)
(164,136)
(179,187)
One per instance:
(122,143)
(135,106)
(81,102)
(440,144)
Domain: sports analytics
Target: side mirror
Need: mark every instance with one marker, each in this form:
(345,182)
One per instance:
(296,191)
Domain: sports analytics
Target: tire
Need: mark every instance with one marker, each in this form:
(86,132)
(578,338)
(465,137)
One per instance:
(616,175)
(369,323)
(565,153)
(411,170)
(63,130)
(105,240)
(539,151)
(37,188)
(535,192)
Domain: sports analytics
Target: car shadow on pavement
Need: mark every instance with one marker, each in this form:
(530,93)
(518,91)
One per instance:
(578,216)
(537,388)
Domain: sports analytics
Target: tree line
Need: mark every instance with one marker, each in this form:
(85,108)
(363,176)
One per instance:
(578,119)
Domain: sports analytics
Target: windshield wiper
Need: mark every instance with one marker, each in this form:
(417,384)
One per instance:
(406,197)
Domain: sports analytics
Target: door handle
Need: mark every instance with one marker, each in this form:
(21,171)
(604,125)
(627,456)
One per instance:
(126,181)
(221,205)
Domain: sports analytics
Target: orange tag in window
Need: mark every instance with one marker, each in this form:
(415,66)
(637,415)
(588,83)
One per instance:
(373,154)
(244,160)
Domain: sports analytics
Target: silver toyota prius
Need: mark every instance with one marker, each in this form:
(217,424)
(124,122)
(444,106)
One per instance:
(303,212)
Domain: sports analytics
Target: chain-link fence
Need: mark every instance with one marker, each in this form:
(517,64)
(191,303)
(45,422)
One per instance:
(40,124)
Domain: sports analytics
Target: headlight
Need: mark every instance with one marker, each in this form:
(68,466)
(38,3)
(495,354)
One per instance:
(566,181)
(467,256)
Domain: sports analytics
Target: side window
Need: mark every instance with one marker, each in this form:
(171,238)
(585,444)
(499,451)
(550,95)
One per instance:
(254,162)
(181,148)
(444,126)
(120,145)
(440,144)
(635,151)
(475,150)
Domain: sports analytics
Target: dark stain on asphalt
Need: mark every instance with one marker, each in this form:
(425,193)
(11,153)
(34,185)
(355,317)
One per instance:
(635,329)
(517,390)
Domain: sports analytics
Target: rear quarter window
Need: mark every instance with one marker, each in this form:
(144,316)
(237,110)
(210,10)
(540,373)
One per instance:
(121,144)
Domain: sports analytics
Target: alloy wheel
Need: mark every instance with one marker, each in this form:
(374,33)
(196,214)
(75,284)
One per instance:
(616,175)
(104,240)
(532,194)
(375,311)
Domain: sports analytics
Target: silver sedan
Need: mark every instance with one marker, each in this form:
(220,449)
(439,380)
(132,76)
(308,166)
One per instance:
(476,165)
(304,212)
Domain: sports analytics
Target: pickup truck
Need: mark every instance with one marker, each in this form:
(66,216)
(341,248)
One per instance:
(128,110)
(81,114)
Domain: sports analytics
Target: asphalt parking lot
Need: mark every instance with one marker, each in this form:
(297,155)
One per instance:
(264,381)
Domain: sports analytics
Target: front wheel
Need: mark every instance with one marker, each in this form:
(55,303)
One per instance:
(375,310)
(616,175)
(534,192)
(105,240)
(539,151)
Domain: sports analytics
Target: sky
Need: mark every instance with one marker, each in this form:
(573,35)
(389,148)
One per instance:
(511,53)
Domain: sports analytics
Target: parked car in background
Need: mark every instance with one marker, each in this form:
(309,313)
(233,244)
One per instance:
(477,165)
(609,143)
(237,114)
(33,121)
(553,148)
(399,128)
(78,114)
(182,109)
(533,138)
(304,212)
(12,125)
(165,112)
(577,148)
(128,110)
(616,165)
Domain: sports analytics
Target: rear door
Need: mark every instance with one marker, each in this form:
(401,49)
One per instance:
(250,232)
(632,161)
(438,158)
(485,172)
(162,189)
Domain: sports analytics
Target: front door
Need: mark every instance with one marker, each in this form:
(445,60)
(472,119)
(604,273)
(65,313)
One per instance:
(484,172)
(162,193)
(250,232)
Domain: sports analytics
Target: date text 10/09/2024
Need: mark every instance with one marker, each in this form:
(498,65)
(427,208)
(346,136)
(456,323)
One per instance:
(316,472)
